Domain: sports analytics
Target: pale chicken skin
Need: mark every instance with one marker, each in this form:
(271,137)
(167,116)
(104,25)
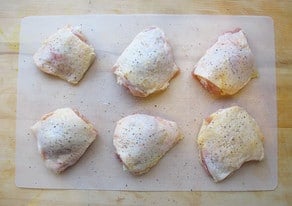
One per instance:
(65,54)
(142,140)
(227,66)
(147,65)
(62,138)
(227,139)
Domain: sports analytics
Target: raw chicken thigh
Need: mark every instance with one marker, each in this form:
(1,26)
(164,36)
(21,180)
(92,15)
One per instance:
(141,140)
(62,138)
(227,139)
(227,66)
(147,65)
(65,54)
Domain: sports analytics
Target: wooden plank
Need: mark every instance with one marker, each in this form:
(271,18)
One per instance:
(10,14)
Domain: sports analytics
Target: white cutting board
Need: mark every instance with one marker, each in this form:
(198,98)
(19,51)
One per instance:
(103,102)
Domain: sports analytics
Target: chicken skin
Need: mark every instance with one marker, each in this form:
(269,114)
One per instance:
(142,140)
(65,54)
(147,65)
(227,66)
(62,138)
(228,138)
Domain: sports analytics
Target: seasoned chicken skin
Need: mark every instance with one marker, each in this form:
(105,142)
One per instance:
(147,65)
(62,138)
(65,54)
(228,138)
(142,140)
(227,66)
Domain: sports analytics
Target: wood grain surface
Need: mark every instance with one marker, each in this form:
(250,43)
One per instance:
(11,13)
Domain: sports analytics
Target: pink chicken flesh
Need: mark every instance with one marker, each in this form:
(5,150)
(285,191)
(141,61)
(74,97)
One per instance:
(142,140)
(62,138)
(147,65)
(227,139)
(227,66)
(65,54)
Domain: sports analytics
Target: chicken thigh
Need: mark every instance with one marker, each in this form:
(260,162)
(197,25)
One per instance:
(65,54)
(228,138)
(147,65)
(62,138)
(227,66)
(142,140)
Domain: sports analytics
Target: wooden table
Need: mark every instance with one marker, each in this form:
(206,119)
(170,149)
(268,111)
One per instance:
(11,13)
